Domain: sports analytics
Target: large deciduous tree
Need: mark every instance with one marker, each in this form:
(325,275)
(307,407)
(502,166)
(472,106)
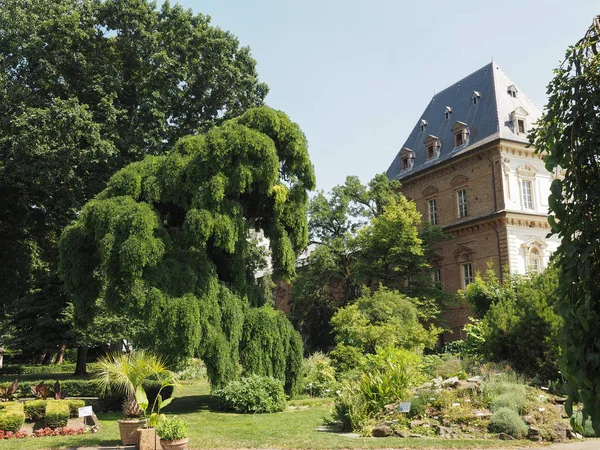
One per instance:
(86,87)
(168,241)
(363,236)
(568,134)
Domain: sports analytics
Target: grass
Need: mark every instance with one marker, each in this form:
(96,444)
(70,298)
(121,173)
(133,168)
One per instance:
(293,428)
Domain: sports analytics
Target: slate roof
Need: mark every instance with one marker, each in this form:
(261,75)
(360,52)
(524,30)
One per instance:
(488,120)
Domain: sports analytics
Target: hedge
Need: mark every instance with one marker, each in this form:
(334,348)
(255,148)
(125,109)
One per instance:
(57,413)
(26,369)
(12,416)
(35,410)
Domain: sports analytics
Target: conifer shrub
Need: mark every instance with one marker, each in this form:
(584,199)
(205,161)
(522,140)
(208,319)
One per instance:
(512,400)
(252,394)
(57,413)
(35,409)
(12,416)
(505,420)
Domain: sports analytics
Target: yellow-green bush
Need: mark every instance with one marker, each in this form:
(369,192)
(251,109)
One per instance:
(57,413)
(35,409)
(74,406)
(12,416)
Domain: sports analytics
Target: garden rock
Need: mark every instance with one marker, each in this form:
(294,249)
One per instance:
(560,432)
(467,385)
(476,379)
(381,431)
(415,435)
(446,432)
(529,420)
(451,382)
(505,437)
(534,434)
(425,386)
(401,434)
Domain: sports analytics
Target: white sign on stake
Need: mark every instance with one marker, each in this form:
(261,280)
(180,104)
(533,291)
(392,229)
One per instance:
(86,411)
(404,407)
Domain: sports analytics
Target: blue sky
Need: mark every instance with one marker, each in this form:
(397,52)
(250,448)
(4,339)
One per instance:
(356,75)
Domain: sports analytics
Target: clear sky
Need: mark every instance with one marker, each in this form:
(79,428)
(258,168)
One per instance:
(356,75)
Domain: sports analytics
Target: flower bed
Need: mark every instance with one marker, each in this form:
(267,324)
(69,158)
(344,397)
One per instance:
(42,432)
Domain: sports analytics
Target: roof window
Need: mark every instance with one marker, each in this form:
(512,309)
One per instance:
(512,91)
(475,98)
(432,147)
(447,112)
(422,125)
(461,133)
(407,159)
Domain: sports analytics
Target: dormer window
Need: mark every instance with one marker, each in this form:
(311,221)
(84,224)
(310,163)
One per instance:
(423,125)
(406,159)
(475,97)
(461,133)
(432,147)
(519,121)
(447,112)
(512,91)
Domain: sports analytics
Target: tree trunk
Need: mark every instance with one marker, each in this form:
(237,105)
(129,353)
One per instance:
(41,358)
(47,359)
(80,368)
(61,354)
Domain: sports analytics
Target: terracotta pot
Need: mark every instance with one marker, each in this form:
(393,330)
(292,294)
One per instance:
(128,430)
(179,444)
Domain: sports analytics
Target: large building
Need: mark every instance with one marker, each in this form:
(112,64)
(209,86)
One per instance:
(468,167)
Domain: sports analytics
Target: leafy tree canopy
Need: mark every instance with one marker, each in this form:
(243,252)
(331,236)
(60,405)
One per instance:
(168,241)
(567,134)
(88,86)
(364,236)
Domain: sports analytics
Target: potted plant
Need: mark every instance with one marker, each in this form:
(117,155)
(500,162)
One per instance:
(173,433)
(126,373)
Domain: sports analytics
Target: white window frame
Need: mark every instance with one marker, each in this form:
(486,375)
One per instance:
(462,203)
(527,197)
(436,275)
(432,209)
(467,274)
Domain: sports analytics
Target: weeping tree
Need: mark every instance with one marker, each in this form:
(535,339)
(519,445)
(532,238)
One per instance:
(168,241)
(568,134)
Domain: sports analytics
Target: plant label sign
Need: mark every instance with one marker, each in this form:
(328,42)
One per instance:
(86,411)
(404,407)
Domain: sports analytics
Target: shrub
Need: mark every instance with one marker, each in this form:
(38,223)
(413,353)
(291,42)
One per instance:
(12,416)
(318,376)
(194,369)
(74,406)
(585,428)
(507,421)
(345,358)
(512,400)
(57,413)
(253,394)
(444,365)
(350,409)
(172,429)
(498,384)
(35,409)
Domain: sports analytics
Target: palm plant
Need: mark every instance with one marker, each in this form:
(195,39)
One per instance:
(126,373)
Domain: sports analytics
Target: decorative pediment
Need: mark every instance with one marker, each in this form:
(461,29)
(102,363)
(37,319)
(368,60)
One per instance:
(431,139)
(436,258)
(520,112)
(463,253)
(431,190)
(458,180)
(534,242)
(527,170)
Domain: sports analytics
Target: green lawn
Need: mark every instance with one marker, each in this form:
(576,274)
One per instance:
(293,428)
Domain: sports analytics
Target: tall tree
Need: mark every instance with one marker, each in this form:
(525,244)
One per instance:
(364,236)
(86,87)
(168,241)
(567,134)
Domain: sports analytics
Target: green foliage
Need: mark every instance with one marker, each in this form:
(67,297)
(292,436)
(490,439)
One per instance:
(443,365)
(252,394)
(12,416)
(74,406)
(94,86)
(365,236)
(486,291)
(566,135)
(57,413)
(318,376)
(172,429)
(583,426)
(379,319)
(346,358)
(507,421)
(193,369)
(496,385)
(384,378)
(514,400)
(35,409)
(167,240)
